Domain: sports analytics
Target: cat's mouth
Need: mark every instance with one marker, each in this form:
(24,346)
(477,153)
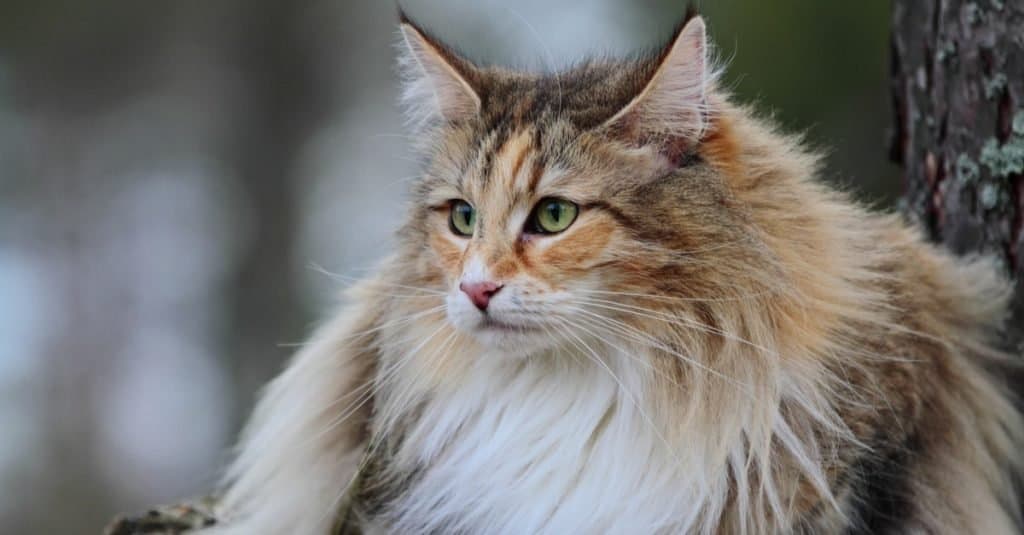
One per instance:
(490,324)
(511,338)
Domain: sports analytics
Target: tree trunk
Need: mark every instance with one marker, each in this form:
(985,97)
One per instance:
(958,90)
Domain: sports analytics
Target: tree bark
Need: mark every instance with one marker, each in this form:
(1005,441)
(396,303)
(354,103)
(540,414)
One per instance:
(958,91)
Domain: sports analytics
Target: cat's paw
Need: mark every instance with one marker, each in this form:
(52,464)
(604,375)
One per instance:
(171,520)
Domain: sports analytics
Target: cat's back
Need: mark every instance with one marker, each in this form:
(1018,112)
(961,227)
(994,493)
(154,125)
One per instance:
(942,427)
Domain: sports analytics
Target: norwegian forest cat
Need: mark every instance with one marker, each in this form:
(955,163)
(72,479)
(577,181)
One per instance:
(621,303)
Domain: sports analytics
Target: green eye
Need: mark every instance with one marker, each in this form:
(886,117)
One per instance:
(553,215)
(462,219)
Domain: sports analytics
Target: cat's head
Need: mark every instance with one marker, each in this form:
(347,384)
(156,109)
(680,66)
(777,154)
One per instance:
(553,205)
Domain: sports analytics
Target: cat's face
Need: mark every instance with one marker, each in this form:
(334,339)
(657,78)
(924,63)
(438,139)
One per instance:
(526,239)
(550,202)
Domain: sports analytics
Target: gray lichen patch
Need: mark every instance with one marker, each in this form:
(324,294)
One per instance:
(995,86)
(1006,159)
(947,50)
(989,196)
(966,169)
(972,13)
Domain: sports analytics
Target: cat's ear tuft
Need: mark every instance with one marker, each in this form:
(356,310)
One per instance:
(672,106)
(437,84)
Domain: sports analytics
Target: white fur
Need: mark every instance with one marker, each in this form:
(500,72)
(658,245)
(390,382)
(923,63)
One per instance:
(524,448)
(570,442)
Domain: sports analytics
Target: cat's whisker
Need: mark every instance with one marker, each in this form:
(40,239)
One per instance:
(387,420)
(549,333)
(374,442)
(664,316)
(622,350)
(642,337)
(352,336)
(677,320)
(376,384)
(393,323)
(688,323)
(339,276)
(365,392)
(593,355)
(372,385)
(410,296)
(866,354)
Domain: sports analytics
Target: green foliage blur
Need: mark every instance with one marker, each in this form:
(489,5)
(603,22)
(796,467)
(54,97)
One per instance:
(819,67)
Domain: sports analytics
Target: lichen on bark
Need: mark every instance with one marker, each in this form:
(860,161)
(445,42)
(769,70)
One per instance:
(958,91)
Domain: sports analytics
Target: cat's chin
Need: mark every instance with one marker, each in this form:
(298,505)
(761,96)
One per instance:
(510,339)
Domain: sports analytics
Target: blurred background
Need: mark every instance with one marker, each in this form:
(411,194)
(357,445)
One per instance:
(170,173)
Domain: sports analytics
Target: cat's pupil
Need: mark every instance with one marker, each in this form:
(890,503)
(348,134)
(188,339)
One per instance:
(555,211)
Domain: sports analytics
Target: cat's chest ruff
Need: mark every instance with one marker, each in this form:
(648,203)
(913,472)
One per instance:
(534,451)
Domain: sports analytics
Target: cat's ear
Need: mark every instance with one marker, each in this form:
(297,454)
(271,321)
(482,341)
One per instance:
(672,107)
(436,82)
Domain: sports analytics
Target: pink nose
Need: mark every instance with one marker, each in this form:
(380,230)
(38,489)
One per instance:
(480,293)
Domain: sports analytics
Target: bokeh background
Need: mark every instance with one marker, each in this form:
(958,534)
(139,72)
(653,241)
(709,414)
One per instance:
(174,175)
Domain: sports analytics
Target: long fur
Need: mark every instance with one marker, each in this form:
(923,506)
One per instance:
(719,343)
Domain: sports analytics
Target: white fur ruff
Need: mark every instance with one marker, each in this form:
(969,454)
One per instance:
(523,447)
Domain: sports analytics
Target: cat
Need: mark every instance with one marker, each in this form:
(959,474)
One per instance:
(622,303)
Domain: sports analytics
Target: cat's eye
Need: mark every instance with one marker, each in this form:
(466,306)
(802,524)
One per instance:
(462,219)
(552,216)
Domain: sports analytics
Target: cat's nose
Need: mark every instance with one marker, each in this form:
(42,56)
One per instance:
(480,293)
